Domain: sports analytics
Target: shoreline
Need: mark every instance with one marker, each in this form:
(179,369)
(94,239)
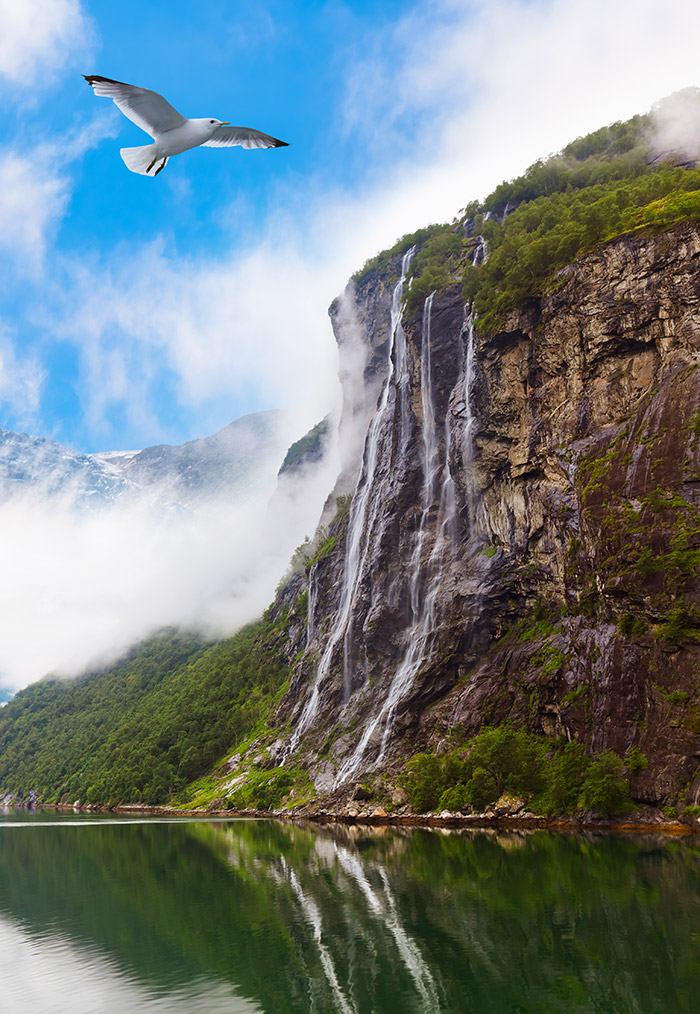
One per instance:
(636,823)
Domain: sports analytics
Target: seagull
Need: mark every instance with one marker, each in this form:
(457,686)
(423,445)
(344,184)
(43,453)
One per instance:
(171,132)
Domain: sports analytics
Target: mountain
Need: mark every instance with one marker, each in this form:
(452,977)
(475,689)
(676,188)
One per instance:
(506,599)
(233,462)
(33,463)
(236,462)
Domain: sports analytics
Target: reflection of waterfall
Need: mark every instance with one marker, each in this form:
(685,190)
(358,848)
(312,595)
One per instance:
(388,916)
(313,917)
(363,513)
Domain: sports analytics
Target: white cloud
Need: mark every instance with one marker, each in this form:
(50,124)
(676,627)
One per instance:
(221,328)
(677,124)
(446,103)
(21,379)
(35,191)
(79,587)
(39,38)
(33,199)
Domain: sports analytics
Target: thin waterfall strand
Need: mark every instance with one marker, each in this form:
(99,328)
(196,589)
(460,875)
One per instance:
(363,513)
(469,417)
(430,454)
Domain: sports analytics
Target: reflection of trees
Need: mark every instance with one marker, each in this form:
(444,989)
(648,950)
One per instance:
(354,920)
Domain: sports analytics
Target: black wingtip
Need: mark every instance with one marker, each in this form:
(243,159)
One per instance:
(91,78)
(281,144)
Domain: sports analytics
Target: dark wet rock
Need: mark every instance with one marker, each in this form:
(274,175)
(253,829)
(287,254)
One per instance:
(565,589)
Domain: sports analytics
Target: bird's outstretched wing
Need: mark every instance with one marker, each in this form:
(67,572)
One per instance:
(147,109)
(225,137)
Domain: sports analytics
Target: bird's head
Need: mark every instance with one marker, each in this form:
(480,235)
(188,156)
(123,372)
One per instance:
(215,124)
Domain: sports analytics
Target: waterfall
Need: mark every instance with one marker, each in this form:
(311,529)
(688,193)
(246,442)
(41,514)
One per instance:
(423,609)
(363,514)
(311,608)
(430,450)
(429,433)
(423,618)
(479,257)
(469,417)
(403,380)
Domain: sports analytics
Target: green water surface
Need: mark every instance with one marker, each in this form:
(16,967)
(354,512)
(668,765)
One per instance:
(109,915)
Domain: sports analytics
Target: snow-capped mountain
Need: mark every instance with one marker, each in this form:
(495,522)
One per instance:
(236,462)
(232,462)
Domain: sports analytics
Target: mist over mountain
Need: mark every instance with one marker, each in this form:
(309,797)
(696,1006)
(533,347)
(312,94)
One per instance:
(237,462)
(502,599)
(102,550)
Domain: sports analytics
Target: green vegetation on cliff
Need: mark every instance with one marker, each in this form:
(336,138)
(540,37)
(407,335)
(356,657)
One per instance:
(308,448)
(549,776)
(148,725)
(598,188)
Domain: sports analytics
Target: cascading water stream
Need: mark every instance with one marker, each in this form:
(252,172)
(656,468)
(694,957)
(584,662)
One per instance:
(422,608)
(424,625)
(479,256)
(402,386)
(311,609)
(469,417)
(363,514)
(430,454)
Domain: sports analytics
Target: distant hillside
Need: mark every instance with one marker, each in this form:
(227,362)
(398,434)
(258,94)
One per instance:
(33,463)
(509,600)
(146,726)
(238,461)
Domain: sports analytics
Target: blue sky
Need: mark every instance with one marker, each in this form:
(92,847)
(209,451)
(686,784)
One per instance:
(135,310)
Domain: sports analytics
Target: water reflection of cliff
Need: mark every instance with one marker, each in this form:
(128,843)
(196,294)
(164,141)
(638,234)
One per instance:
(343,919)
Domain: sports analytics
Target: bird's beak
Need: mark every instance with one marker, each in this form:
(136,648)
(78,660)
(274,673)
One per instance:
(225,123)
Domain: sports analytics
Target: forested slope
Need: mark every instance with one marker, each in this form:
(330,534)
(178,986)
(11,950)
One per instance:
(145,728)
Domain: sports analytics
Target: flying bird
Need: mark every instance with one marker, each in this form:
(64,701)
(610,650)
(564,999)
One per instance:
(171,132)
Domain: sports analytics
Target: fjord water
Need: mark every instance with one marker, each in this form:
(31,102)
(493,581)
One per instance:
(122,916)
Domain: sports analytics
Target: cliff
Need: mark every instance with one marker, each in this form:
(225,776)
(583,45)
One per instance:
(502,597)
(523,542)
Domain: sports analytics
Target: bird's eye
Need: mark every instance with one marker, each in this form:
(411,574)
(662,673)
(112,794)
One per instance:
(211,121)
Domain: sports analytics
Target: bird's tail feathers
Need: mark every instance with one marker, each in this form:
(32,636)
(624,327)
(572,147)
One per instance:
(143,160)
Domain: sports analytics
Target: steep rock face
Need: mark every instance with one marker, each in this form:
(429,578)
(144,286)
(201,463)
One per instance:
(524,539)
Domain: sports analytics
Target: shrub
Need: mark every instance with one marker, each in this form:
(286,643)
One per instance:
(482,789)
(552,777)
(635,760)
(456,798)
(424,781)
(566,773)
(628,625)
(604,789)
